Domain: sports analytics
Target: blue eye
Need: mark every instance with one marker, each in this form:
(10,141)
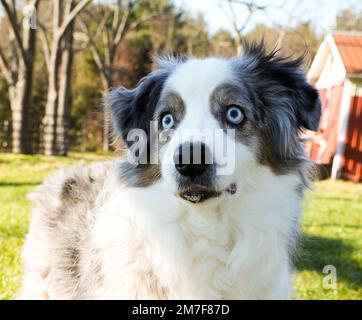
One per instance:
(168,121)
(234,115)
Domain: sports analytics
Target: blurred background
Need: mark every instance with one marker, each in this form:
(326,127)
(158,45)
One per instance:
(59,57)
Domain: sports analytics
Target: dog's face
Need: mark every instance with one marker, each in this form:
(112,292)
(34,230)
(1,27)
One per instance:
(215,121)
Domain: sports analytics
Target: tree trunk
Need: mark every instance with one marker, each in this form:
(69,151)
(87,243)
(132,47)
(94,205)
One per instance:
(50,132)
(20,97)
(239,44)
(106,129)
(107,84)
(60,30)
(65,93)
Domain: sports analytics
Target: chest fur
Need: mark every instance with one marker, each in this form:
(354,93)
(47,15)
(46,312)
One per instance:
(165,250)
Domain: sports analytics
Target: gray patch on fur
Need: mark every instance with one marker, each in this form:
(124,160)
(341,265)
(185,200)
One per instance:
(63,216)
(135,109)
(286,104)
(170,102)
(142,175)
(235,94)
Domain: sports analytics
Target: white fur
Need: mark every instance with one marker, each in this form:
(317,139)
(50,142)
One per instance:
(234,250)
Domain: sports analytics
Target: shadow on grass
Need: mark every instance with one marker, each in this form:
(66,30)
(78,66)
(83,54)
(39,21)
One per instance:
(18,184)
(314,253)
(333,198)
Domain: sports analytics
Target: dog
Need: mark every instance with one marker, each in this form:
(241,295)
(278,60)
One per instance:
(221,227)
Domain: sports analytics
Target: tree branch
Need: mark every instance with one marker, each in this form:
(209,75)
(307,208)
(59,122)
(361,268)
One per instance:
(83,41)
(77,9)
(108,55)
(101,24)
(95,52)
(15,28)
(34,3)
(138,23)
(45,44)
(5,68)
(246,22)
(251,5)
(116,16)
(122,26)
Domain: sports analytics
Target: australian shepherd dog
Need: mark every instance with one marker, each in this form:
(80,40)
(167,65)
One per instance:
(206,202)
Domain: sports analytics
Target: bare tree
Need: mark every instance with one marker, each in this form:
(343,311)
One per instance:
(58,56)
(239,25)
(17,69)
(114,23)
(283,27)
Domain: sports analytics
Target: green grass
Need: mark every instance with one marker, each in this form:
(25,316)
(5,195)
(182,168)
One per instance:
(332,228)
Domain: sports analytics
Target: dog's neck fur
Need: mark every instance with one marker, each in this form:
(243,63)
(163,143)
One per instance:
(163,247)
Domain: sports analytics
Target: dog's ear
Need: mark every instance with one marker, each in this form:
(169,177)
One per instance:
(134,108)
(307,105)
(281,81)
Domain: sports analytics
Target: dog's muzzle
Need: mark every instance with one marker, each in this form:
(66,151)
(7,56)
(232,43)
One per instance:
(193,162)
(192,159)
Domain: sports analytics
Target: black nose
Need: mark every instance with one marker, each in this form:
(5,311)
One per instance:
(192,159)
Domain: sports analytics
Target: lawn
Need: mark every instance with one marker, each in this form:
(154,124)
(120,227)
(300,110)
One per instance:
(332,228)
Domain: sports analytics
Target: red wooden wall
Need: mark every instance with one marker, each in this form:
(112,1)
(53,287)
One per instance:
(324,143)
(352,158)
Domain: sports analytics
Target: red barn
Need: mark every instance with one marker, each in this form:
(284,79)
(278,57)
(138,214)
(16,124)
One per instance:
(337,73)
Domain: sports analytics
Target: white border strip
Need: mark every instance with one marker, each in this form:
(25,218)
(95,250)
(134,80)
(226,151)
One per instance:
(342,131)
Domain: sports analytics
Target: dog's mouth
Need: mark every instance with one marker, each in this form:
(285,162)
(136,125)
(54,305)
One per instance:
(198,194)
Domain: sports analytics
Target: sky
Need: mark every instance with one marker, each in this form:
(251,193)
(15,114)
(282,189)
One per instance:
(279,13)
(321,13)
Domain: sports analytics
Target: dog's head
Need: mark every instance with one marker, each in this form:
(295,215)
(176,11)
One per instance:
(203,125)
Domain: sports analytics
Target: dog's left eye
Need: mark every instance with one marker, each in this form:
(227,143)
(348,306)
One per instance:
(168,121)
(234,115)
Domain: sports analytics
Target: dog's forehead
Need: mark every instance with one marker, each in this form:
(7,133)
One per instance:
(199,77)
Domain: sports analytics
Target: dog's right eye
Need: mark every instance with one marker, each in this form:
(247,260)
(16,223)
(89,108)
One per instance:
(234,115)
(167,121)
